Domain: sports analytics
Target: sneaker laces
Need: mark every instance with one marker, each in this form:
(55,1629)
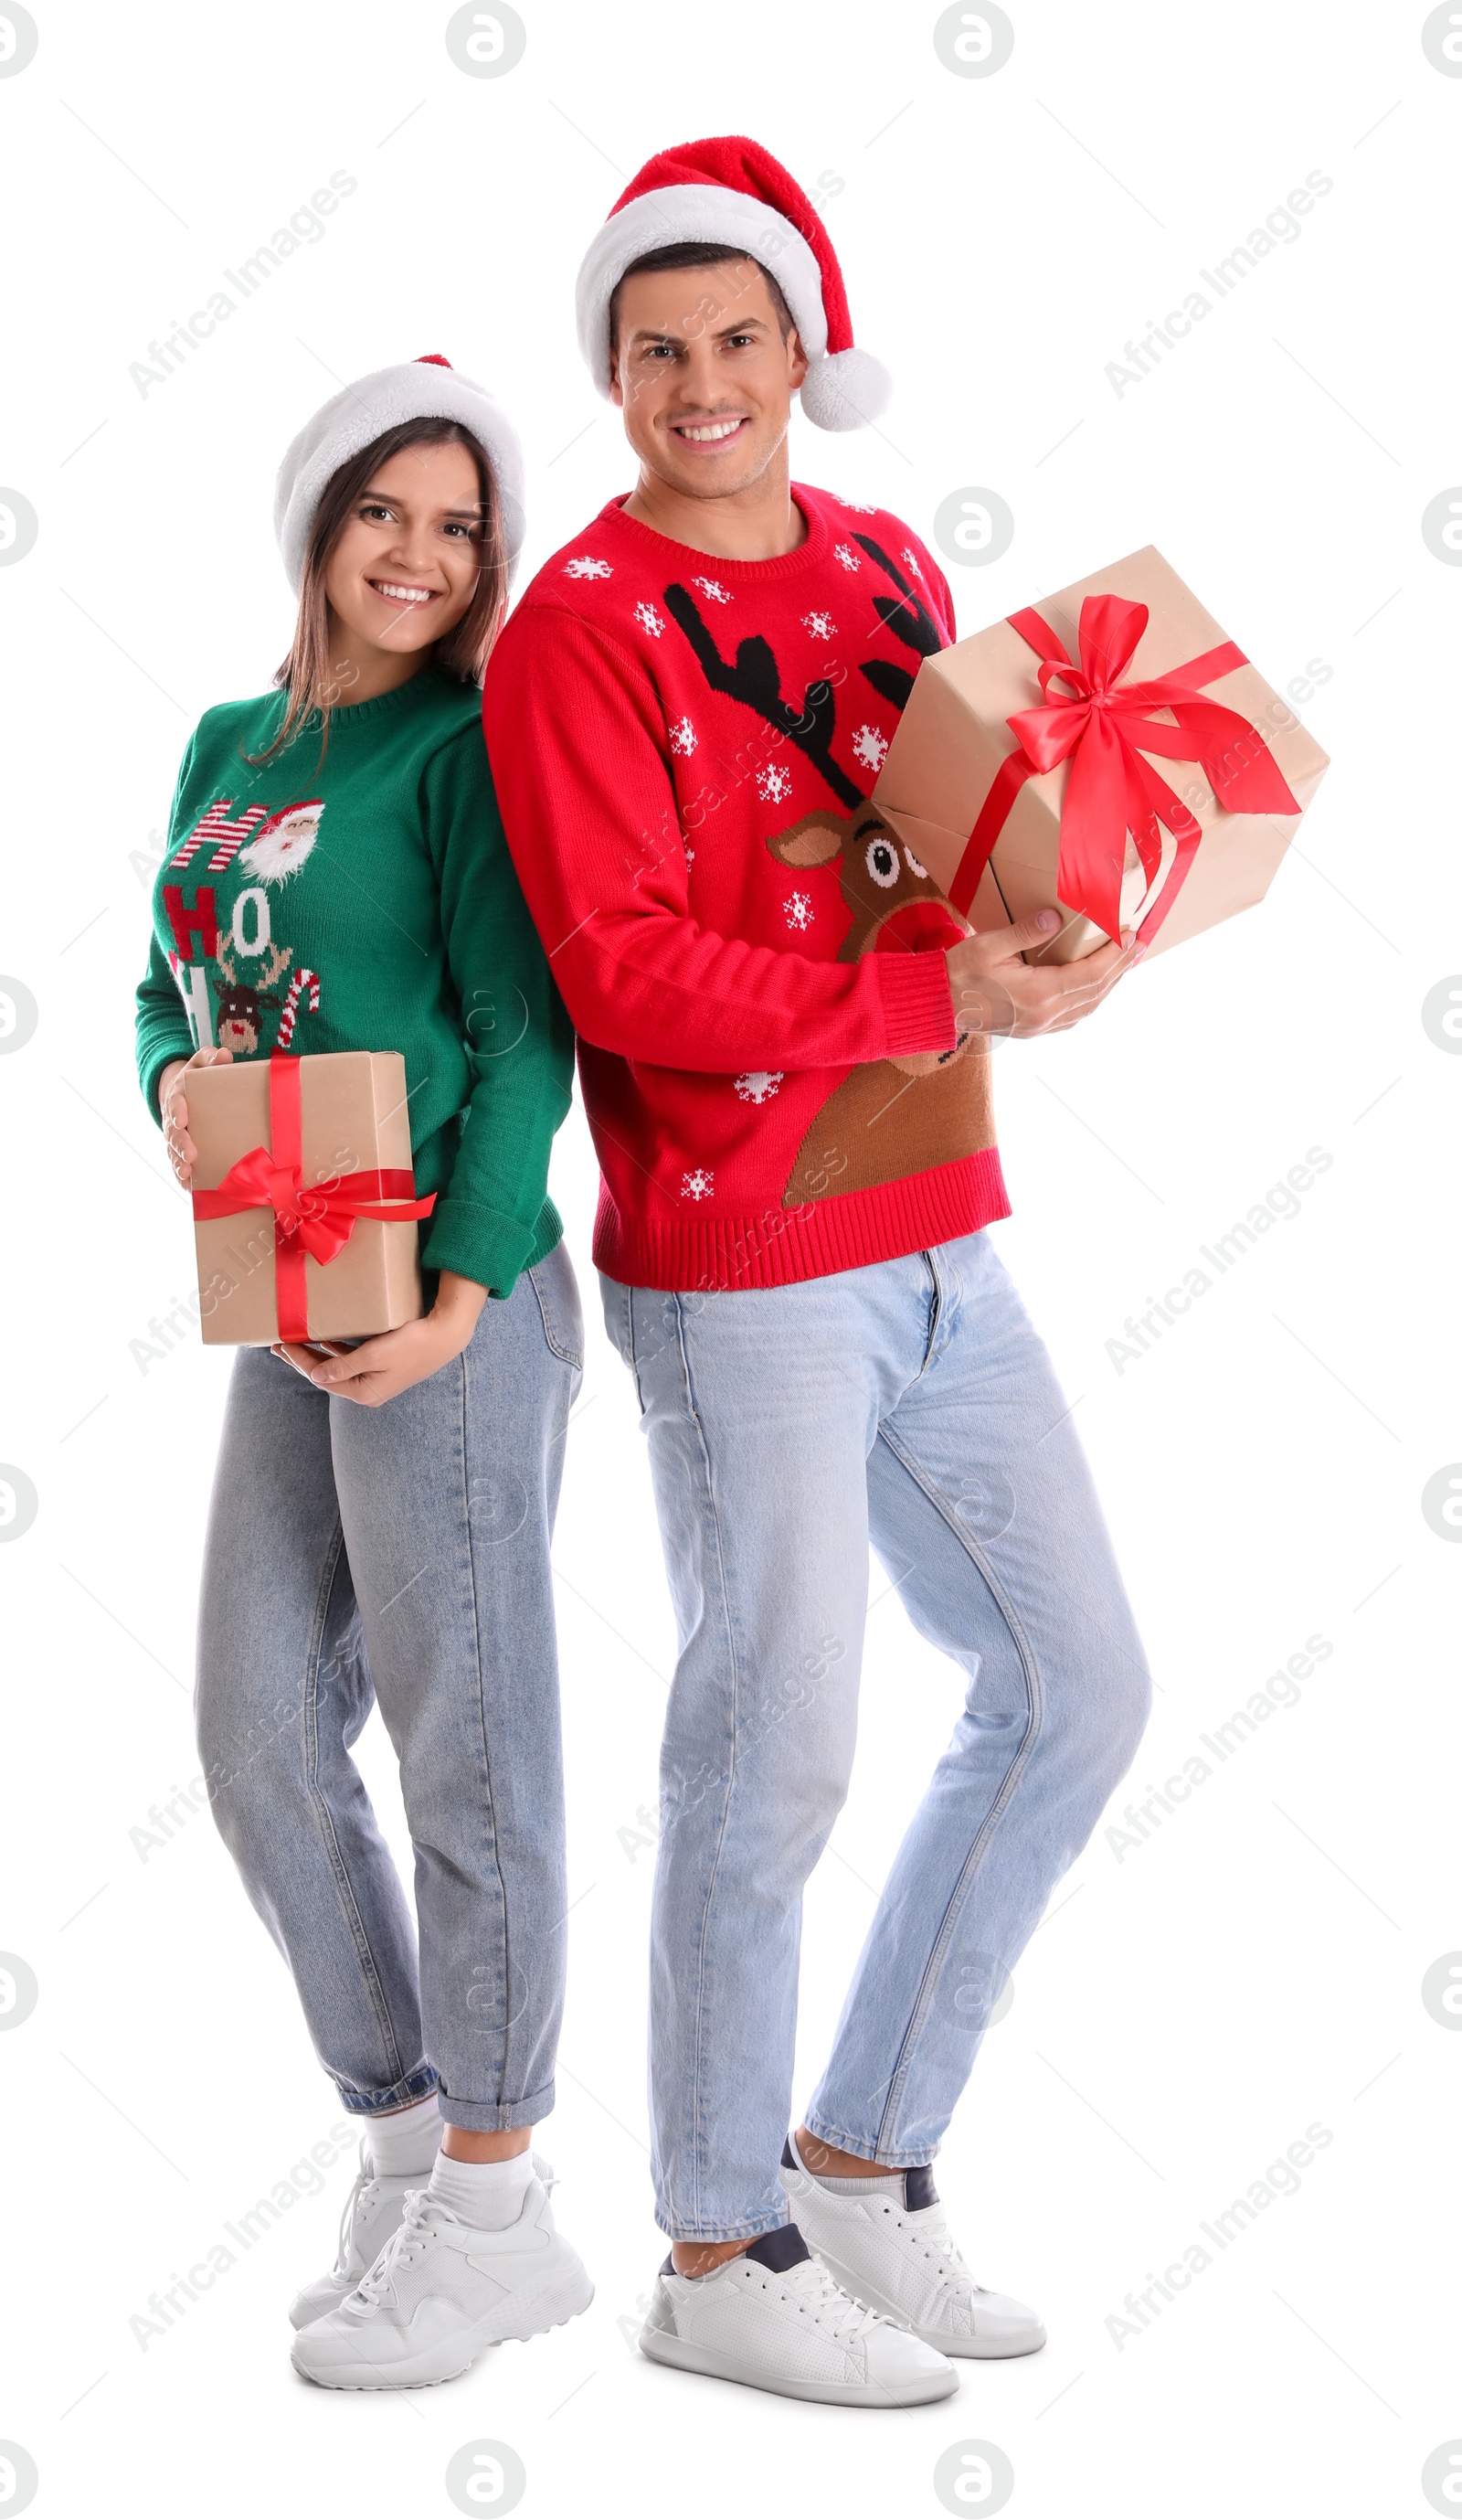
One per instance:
(418,2228)
(939,2244)
(364,2178)
(811,2287)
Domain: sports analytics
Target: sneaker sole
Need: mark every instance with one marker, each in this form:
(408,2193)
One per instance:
(975,2349)
(680,2355)
(515,2321)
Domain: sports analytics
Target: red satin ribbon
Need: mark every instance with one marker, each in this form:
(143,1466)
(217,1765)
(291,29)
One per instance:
(1104,728)
(318,1218)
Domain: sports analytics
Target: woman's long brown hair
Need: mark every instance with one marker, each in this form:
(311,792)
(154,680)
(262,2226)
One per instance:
(312,682)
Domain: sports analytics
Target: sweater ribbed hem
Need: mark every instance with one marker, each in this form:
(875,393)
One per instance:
(784,1246)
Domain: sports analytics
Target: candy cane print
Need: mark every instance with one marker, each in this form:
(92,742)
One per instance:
(303,979)
(215,826)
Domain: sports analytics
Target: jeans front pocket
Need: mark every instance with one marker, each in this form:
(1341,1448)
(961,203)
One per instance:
(619,1321)
(556,1289)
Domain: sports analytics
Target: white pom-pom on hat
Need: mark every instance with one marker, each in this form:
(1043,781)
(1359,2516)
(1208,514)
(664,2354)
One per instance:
(846,389)
(425,388)
(732,192)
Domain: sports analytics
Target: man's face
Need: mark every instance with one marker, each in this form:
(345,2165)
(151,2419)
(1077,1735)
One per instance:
(703,376)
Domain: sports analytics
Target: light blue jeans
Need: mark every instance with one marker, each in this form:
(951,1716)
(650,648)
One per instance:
(400,1555)
(910,1404)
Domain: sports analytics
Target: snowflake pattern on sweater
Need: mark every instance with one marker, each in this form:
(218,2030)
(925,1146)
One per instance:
(759,1084)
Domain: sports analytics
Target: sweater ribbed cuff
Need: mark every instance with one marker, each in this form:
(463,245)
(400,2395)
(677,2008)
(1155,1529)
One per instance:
(918,1007)
(490,1248)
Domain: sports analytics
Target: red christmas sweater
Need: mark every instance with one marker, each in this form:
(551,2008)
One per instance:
(683,749)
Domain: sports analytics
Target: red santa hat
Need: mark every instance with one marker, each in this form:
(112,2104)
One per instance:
(734,192)
(314,806)
(425,388)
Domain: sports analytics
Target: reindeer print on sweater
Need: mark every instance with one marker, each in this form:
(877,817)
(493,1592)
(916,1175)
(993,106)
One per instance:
(754,965)
(873,1127)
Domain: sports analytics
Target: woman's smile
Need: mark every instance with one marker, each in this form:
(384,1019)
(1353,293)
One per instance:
(395,590)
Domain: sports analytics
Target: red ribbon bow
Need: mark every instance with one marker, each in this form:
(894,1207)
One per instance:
(1104,727)
(318,1218)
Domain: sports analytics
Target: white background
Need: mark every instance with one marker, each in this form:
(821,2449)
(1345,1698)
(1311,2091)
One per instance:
(1256,1965)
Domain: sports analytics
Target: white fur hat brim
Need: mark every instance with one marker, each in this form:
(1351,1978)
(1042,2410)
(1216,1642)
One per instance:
(843,390)
(353,418)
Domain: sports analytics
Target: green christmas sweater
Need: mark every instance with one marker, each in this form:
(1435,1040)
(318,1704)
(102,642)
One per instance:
(366,901)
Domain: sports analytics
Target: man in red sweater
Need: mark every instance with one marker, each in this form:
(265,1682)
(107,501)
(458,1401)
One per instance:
(785,1048)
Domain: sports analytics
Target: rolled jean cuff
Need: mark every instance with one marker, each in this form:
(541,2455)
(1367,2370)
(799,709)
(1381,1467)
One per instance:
(395,2096)
(751,2229)
(844,2140)
(497,2117)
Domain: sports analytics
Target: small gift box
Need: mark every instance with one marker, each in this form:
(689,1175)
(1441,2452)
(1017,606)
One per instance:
(1021,772)
(303,1198)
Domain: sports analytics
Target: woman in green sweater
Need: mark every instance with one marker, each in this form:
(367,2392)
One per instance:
(337,879)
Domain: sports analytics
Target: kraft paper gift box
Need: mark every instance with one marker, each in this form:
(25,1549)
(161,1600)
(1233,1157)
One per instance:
(303,1198)
(1109,749)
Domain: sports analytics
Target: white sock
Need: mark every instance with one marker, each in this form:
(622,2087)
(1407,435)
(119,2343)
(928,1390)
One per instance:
(891,2185)
(488,2194)
(406,2140)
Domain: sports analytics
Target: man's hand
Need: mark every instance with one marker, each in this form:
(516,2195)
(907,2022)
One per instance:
(172,1107)
(995,992)
(382,1367)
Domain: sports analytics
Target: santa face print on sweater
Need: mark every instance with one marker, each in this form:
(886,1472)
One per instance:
(285,842)
(232,970)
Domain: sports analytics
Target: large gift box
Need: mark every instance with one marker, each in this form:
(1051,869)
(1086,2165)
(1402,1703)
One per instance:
(303,1199)
(1022,771)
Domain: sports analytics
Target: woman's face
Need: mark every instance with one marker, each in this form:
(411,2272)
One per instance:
(403,568)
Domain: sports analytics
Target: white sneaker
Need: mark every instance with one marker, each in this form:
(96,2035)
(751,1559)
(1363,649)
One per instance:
(899,2255)
(439,2292)
(774,2319)
(373,2211)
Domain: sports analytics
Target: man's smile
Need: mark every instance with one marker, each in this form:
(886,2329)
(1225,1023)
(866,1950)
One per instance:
(709,432)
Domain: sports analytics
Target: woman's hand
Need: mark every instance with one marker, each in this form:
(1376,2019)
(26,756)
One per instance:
(172,1107)
(382,1367)
(995,992)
